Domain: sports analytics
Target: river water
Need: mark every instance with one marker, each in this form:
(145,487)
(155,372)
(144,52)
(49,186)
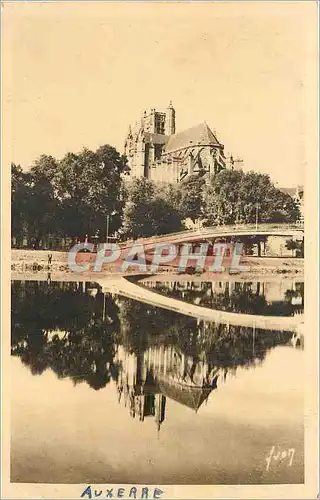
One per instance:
(106,389)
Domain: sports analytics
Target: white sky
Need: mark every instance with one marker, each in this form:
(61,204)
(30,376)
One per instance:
(76,74)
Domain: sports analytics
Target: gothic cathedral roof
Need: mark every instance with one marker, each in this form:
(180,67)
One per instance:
(192,397)
(200,134)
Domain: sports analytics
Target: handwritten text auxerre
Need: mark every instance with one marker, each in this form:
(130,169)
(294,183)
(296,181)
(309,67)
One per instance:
(135,493)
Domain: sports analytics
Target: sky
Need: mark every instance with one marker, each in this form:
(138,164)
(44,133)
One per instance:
(76,74)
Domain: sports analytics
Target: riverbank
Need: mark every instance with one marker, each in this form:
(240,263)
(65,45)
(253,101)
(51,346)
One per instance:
(33,264)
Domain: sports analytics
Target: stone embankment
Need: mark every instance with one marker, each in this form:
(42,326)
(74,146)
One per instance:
(35,263)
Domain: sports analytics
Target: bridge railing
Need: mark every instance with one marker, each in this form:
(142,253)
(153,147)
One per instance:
(253,227)
(219,229)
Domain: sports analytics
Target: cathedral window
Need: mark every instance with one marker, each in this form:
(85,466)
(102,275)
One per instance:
(157,151)
(159,124)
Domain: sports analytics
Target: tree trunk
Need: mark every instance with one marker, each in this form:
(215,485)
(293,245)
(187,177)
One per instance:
(259,248)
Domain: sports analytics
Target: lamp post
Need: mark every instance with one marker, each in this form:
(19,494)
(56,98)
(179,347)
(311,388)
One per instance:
(108,219)
(253,340)
(257,215)
(95,238)
(108,223)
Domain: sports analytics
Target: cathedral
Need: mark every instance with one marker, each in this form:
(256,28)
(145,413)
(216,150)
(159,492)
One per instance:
(155,151)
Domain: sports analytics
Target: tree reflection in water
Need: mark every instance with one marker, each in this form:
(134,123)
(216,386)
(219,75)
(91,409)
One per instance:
(58,326)
(143,326)
(239,297)
(89,337)
(168,355)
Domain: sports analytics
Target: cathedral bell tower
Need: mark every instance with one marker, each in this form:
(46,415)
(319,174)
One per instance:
(170,120)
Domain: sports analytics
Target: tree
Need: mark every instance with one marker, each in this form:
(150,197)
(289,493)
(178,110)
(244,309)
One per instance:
(234,196)
(221,197)
(45,166)
(172,194)
(89,186)
(20,199)
(34,209)
(147,212)
(43,208)
(186,197)
(74,195)
(71,197)
(191,198)
(166,219)
(291,245)
(296,246)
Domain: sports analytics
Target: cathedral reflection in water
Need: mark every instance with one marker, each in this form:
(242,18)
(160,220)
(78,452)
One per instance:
(99,339)
(146,380)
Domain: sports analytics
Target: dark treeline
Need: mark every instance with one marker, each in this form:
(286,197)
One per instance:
(76,333)
(242,299)
(56,202)
(62,328)
(68,198)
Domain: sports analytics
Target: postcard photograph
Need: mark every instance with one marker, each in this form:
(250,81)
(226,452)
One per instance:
(160,174)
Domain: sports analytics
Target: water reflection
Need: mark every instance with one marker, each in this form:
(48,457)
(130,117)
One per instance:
(158,367)
(181,358)
(277,298)
(146,380)
(79,332)
(64,327)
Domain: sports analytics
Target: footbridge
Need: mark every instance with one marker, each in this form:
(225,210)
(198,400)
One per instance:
(132,290)
(211,233)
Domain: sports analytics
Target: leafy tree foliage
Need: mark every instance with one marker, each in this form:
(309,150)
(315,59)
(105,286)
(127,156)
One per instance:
(147,212)
(34,209)
(191,198)
(20,199)
(230,196)
(70,197)
(73,197)
(295,246)
(185,197)
(234,196)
